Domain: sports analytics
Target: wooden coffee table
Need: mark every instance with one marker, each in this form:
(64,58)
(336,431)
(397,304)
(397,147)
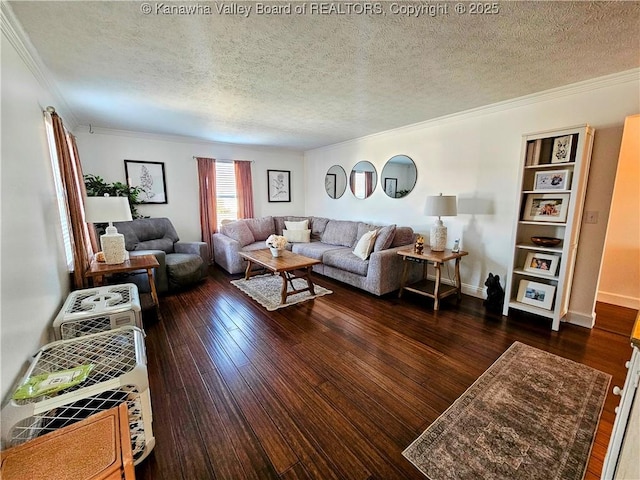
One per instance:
(289,265)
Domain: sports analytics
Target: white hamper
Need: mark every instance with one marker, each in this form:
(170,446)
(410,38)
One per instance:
(98,309)
(119,375)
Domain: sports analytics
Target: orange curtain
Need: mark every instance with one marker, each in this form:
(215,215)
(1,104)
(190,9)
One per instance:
(208,216)
(244,188)
(368,178)
(83,238)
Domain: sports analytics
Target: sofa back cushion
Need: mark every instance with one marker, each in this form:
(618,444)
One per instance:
(403,236)
(261,228)
(148,234)
(340,232)
(239,231)
(384,238)
(318,224)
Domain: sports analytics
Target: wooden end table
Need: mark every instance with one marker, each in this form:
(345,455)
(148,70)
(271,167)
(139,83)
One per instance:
(98,270)
(430,288)
(286,265)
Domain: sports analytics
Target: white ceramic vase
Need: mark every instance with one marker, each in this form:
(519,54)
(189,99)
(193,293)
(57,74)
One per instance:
(276,252)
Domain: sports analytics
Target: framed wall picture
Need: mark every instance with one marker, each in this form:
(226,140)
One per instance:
(546,207)
(552,180)
(561,152)
(149,177)
(542,263)
(330,184)
(279,185)
(391,186)
(536,294)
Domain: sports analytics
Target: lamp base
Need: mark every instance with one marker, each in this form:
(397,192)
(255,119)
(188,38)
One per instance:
(438,237)
(113,248)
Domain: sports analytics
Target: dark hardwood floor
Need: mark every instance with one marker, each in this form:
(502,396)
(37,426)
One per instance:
(333,388)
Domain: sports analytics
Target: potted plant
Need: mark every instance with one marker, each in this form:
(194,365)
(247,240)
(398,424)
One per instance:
(97,187)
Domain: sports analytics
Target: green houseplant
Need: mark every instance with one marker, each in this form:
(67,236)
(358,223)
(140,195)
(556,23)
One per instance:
(97,187)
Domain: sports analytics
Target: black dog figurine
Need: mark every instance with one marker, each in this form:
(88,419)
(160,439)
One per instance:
(495,293)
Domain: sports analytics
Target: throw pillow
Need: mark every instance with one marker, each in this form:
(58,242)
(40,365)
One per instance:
(303,225)
(365,245)
(297,236)
(384,238)
(238,231)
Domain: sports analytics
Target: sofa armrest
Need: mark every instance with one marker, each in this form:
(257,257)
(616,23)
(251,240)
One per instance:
(385,270)
(196,248)
(162,282)
(226,253)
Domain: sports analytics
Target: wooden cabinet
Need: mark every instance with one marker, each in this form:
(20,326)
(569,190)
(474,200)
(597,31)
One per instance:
(552,182)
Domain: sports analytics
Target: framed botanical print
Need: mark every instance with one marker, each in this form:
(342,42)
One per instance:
(279,185)
(561,152)
(149,177)
(391,186)
(330,184)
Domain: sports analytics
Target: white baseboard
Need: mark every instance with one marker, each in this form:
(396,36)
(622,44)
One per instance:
(581,319)
(467,289)
(620,300)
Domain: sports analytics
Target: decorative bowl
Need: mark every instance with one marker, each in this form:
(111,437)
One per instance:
(546,241)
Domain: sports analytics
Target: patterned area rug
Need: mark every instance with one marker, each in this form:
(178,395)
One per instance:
(265,289)
(532,415)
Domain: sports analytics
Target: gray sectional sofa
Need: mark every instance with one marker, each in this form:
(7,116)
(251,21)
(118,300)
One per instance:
(332,242)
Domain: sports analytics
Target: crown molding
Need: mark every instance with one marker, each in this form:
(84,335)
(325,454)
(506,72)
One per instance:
(16,36)
(626,76)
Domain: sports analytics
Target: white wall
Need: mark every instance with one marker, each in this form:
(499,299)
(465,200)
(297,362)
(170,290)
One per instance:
(34,279)
(475,156)
(620,278)
(103,153)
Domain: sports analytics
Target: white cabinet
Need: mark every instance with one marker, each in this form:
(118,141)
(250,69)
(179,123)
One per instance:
(552,182)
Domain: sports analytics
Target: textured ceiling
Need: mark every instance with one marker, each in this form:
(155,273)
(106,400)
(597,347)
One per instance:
(308,80)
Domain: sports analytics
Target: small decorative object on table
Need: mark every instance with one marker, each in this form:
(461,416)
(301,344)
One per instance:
(276,244)
(419,246)
(495,293)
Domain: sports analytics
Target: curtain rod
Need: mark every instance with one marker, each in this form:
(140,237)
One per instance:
(227,160)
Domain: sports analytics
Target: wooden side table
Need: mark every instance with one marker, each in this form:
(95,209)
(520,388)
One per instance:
(98,270)
(426,287)
(96,448)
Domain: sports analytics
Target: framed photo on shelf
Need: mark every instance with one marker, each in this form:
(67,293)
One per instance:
(149,177)
(561,152)
(279,185)
(552,180)
(542,263)
(546,207)
(536,294)
(391,186)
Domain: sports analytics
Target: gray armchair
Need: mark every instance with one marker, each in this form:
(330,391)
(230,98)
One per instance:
(181,263)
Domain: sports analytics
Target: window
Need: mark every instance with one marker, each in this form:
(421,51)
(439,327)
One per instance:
(226,195)
(360,185)
(60,192)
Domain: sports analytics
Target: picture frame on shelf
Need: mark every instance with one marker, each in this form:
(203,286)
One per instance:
(391,186)
(542,263)
(546,207)
(279,185)
(552,180)
(561,152)
(149,177)
(536,294)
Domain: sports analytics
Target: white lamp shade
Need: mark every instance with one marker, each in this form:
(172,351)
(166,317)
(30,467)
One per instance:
(441,206)
(107,209)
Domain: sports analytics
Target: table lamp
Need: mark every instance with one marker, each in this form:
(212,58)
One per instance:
(440,206)
(109,209)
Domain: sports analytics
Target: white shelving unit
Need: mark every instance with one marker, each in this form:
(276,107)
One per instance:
(546,291)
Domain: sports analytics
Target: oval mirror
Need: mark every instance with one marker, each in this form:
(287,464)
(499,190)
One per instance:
(399,176)
(335,181)
(363,179)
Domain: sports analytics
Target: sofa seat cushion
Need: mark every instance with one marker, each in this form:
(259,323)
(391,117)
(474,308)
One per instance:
(183,269)
(340,232)
(314,250)
(344,259)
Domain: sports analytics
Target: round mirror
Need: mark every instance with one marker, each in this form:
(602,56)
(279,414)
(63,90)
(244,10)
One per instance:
(363,179)
(335,181)
(399,176)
